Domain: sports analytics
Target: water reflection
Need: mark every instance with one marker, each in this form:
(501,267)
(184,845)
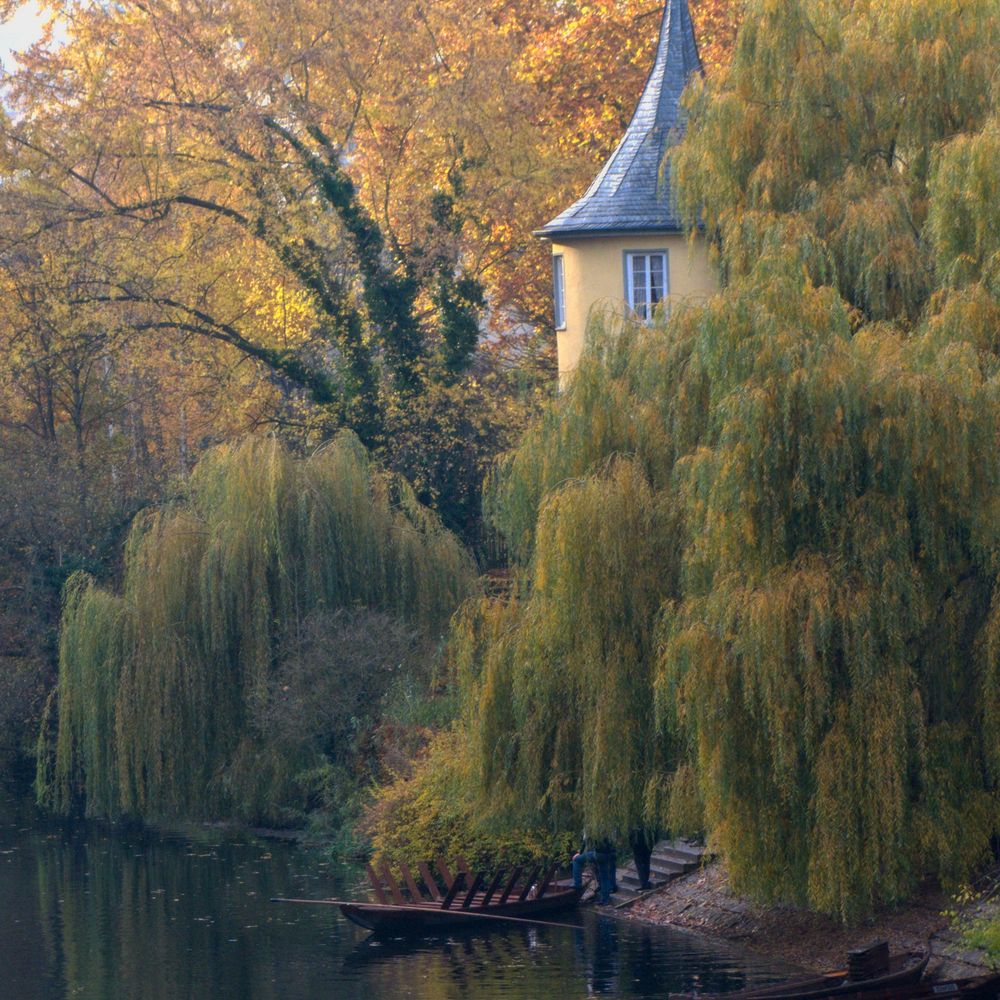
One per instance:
(97,916)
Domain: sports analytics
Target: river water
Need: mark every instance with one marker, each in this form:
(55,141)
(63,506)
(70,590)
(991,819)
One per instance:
(96,915)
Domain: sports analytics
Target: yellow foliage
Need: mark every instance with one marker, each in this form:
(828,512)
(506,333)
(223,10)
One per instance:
(434,813)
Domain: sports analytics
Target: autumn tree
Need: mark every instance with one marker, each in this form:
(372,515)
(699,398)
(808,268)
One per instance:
(247,197)
(203,130)
(338,194)
(774,517)
(581,69)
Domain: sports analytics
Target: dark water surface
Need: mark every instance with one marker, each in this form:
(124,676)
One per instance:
(100,916)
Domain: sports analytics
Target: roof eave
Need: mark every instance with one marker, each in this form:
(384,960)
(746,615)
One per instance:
(594,231)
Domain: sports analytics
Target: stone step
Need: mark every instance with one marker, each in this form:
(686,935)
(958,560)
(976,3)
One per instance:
(669,860)
(663,870)
(668,866)
(624,894)
(674,866)
(630,878)
(679,851)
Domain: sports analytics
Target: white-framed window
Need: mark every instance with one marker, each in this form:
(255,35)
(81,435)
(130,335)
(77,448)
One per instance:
(647,281)
(559,291)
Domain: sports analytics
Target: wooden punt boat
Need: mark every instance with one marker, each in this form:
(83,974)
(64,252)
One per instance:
(979,988)
(426,903)
(902,972)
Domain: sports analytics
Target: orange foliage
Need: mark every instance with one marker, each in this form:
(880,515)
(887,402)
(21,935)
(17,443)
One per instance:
(581,69)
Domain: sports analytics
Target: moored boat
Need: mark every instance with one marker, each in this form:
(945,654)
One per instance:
(415,904)
(978,988)
(406,919)
(901,972)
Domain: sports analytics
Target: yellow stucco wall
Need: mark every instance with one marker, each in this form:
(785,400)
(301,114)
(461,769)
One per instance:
(594,270)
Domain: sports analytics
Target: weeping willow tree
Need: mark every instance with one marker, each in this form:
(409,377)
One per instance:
(563,713)
(162,689)
(776,517)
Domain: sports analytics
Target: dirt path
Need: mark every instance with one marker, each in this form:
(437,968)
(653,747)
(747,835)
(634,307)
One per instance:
(702,902)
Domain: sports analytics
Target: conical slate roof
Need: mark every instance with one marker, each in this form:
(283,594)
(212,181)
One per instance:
(629,195)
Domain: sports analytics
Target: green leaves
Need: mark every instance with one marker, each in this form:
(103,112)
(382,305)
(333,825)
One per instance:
(159,689)
(828,121)
(964,217)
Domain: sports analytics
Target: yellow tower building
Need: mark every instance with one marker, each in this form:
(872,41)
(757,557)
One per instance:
(621,244)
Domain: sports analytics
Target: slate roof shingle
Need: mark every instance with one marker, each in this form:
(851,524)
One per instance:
(630,194)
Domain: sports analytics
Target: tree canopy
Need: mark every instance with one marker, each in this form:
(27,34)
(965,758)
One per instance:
(360,173)
(168,703)
(773,517)
(295,217)
(332,202)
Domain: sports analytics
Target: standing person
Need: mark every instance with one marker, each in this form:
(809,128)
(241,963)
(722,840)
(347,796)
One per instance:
(641,842)
(606,865)
(586,855)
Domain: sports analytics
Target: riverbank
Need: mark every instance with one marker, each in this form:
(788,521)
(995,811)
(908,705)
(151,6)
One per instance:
(703,902)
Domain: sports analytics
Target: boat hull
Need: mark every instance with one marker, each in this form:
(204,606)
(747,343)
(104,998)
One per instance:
(423,917)
(981,988)
(905,972)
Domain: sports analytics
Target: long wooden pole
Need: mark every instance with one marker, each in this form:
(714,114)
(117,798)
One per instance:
(392,908)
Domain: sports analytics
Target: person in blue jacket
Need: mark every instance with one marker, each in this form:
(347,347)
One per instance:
(603,857)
